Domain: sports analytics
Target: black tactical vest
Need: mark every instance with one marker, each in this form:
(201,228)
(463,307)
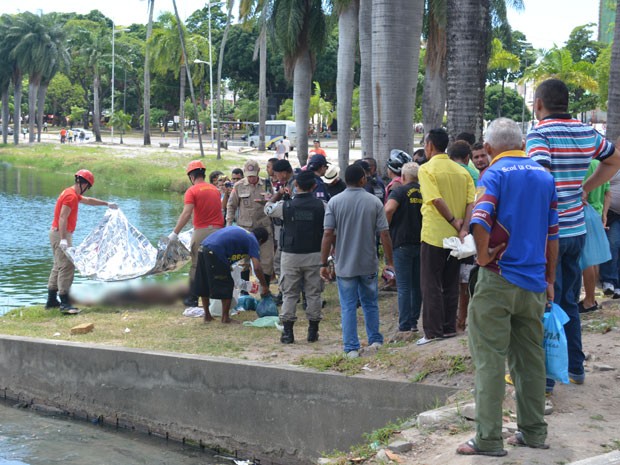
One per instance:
(303,224)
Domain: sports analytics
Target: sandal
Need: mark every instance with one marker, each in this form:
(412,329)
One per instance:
(518,441)
(470,448)
(583,309)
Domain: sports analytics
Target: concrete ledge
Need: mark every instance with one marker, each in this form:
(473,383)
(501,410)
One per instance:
(286,414)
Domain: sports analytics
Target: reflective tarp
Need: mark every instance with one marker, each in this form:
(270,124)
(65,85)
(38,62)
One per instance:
(115,250)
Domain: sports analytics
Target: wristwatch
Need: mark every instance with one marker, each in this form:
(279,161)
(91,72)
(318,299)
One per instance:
(324,265)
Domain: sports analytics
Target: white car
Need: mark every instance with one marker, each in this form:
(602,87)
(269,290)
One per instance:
(88,135)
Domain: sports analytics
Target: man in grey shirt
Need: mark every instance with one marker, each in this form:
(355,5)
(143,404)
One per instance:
(352,220)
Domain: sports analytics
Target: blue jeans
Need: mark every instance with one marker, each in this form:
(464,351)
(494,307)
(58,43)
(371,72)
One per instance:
(364,288)
(609,270)
(567,288)
(407,265)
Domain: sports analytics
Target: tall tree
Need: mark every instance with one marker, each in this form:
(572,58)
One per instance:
(469,24)
(167,55)
(365,89)
(394,91)
(434,95)
(12,31)
(348,24)
(230,4)
(299,27)
(613,101)
(5,86)
(147,76)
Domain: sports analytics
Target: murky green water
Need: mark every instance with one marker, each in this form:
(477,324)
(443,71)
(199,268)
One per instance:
(27,438)
(27,200)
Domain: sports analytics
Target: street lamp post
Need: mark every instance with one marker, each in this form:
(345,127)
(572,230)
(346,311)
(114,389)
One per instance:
(210,89)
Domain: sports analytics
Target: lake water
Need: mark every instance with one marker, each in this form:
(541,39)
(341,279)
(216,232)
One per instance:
(27,438)
(27,200)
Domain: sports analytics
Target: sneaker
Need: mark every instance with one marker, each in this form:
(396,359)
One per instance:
(576,379)
(608,289)
(424,340)
(375,345)
(352,354)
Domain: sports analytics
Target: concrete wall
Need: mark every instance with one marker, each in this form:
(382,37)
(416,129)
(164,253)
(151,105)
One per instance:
(283,414)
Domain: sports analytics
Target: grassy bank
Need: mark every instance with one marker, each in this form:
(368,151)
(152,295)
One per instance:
(144,168)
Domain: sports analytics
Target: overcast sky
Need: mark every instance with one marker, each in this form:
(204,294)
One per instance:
(544,22)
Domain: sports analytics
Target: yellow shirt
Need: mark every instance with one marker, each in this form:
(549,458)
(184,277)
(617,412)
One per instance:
(443,178)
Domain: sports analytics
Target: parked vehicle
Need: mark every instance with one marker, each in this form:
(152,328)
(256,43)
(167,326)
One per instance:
(274,131)
(88,135)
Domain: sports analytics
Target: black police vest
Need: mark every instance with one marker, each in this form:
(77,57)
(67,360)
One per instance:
(303,224)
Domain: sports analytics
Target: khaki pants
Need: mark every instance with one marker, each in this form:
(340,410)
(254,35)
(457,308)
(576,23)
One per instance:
(198,235)
(505,321)
(301,272)
(61,276)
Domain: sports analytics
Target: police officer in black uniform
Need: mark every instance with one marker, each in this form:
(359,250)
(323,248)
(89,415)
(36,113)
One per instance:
(300,241)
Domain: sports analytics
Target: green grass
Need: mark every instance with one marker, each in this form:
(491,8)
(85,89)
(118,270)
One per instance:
(148,169)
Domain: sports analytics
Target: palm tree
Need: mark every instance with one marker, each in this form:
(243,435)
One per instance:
(121,121)
(147,76)
(11,34)
(348,24)
(434,96)
(299,27)
(613,103)
(365,92)
(395,59)
(467,57)
(220,61)
(5,85)
(168,56)
(558,63)
(502,60)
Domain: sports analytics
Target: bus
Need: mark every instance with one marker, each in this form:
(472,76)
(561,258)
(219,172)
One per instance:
(274,131)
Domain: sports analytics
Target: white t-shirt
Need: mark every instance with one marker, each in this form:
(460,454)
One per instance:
(280,150)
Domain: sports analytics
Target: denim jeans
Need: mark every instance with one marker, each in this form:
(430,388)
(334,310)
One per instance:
(364,288)
(609,270)
(407,265)
(567,288)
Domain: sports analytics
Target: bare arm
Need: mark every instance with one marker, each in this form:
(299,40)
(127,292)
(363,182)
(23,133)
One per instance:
(94,202)
(553,248)
(329,239)
(603,173)
(390,208)
(443,209)
(464,231)
(186,214)
(62,221)
(386,240)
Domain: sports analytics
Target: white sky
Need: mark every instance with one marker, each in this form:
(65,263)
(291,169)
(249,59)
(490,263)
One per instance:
(544,22)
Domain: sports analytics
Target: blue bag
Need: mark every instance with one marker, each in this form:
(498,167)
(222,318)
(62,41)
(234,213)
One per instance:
(246,302)
(556,347)
(596,249)
(267,307)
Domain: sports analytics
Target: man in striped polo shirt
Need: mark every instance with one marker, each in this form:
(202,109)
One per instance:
(565,146)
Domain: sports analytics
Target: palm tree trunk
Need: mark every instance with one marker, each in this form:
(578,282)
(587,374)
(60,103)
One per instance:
(366,112)
(41,106)
(348,23)
(182,78)
(17,104)
(219,80)
(394,92)
(96,109)
(33,90)
(262,88)
(5,114)
(613,103)
(147,78)
(467,59)
(302,82)
(434,96)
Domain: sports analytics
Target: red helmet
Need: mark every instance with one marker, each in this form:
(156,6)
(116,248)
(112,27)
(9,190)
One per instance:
(86,175)
(195,165)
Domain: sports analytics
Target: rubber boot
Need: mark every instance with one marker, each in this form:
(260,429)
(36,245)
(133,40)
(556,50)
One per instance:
(66,307)
(52,299)
(313,330)
(287,333)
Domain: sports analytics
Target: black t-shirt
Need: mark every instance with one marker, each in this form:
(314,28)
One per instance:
(336,188)
(406,222)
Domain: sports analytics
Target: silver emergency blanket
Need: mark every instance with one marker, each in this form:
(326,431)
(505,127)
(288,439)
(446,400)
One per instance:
(115,251)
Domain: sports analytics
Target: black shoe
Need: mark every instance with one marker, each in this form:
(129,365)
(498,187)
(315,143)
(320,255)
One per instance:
(583,309)
(52,299)
(288,337)
(313,331)
(65,306)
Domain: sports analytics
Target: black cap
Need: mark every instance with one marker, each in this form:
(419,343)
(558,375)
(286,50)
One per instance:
(282,165)
(306,177)
(318,160)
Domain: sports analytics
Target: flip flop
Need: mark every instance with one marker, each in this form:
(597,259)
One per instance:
(518,441)
(470,448)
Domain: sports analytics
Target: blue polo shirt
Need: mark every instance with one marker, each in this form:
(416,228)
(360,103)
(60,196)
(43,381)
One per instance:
(516,203)
(232,244)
